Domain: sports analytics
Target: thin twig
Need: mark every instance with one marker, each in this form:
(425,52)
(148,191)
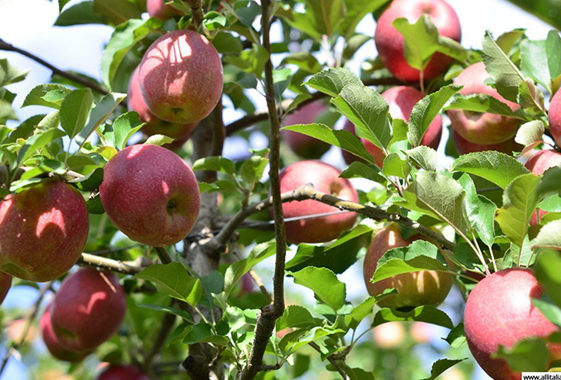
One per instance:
(73,77)
(126,267)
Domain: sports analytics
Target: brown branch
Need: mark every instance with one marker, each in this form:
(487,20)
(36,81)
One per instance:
(196,11)
(76,78)
(270,313)
(125,267)
(257,117)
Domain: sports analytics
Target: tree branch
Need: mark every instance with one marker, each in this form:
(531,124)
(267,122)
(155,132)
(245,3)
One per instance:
(76,78)
(125,267)
(197,11)
(257,117)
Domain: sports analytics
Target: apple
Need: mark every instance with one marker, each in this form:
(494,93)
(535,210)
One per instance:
(389,41)
(413,289)
(150,194)
(303,145)
(54,346)
(401,101)
(122,372)
(482,128)
(43,231)
(389,335)
(14,331)
(499,311)
(88,309)
(538,164)
(555,117)
(325,178)
(154,126)
(181,77)
(158,9)
(5,285)
(464,146)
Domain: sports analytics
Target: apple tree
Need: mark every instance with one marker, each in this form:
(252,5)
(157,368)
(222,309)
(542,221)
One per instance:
(146,240)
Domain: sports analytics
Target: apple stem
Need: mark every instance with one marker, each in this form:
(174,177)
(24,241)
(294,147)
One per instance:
(422,81)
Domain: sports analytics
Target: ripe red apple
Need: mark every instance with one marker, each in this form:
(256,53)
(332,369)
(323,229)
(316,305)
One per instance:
(181,77)
(150,194)
(476,127)
(499,311)
(325,178)
(401,100)
(414,289)
(88,309)
(122,372)
(538,164)
(158,9)
(154,125)
(305,146)
(5,285)
(555,117)
(389,41)
(464,146)
(53,345)
(43,231)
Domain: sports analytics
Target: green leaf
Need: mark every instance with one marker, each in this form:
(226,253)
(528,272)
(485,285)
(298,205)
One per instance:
(325,285)
(358,373)
(530,133)
(359,169)
(202,332)
(550,311)
(116,12)
(214,21)
(122,129)
(158,140)
(481,211)
(81,13)
(38,96)
(440,366)
(505,73)
(299,338)
(173,280)
(332,81)
(61,4)
(219,164)
(395,165)
(74,111)
(252,170)
(45,166)
(356,11)
(534,63)
(479,103)
(251,61)
(171,310)
(499,168)
(325,15)
(426,110)
(519,202)
(428,314)
(361,311)
(547,272)
(553,52)
(36,142)
(340,138)
(122,40)
(529,355)
(424,157)
(296,317)
(204,187)
(10,74)
(99,114)
(225,43)
(304,60)
(457,336)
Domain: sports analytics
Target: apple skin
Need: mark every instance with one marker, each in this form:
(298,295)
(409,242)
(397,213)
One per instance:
(464,146)
(43,231)
(181,77)
(305,146)
(538,164)
(5,285)
(150,194)
(86,310)
(389,41)
(482,128)
(499,311)
(414,289)
(325,178)
(121,372)
(555,117)
(157,9)
(401,100)
(154,126)
(56,349)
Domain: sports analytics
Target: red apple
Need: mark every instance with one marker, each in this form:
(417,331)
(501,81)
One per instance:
(482,128)
(401,100)
(43,231)
(53,345)
(88,309)
(464,146)
(499,311)
(181,77)
(154,126)
(121,372)
(555,117)
(305,146)
(325,178)
(413,289)
(538,164)
(389,335)
(5,285)
(150,194)
(389,41)
(158,9)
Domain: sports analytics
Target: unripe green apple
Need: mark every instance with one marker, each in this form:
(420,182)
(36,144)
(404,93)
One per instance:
(389,41)
(499,311)
(88,309)
(413,289)
(122,372)
(482,128)
(305,146)
(43,231)
(56,349)
(150,194)
(181,77)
